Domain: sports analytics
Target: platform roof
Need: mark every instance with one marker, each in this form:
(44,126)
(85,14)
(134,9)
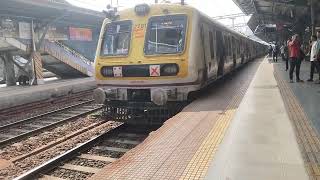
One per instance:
(268,13)
(50,9)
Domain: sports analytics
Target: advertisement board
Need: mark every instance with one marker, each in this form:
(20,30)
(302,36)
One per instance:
(80,34)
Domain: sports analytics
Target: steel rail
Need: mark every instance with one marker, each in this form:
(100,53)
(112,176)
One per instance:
(41,115)
(36,104)
(53,163)
(28,133)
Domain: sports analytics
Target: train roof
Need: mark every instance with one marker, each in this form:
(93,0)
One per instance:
(183,8)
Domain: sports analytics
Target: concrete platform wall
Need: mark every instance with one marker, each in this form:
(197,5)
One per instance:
(15,96)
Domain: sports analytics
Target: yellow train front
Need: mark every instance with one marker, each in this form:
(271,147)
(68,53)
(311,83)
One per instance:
(151,58)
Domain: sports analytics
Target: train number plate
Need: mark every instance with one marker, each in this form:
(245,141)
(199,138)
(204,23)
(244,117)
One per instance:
(117,71)
(154,70)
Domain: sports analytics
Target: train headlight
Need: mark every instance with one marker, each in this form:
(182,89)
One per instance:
(169,70)
(99,96)
(107,71)
(159,97)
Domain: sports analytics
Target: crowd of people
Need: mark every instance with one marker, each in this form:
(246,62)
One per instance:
(293,53)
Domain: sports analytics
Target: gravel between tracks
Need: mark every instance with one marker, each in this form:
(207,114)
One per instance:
(24,165)
(68,174)
(88,163)
(44,138)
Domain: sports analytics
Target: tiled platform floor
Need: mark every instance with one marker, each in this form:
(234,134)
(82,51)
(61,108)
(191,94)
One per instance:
(172,152)
(307,93)
(261,142)
(302,103)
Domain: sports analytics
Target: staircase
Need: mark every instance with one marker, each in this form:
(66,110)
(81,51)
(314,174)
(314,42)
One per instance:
(65,62)
(56,57)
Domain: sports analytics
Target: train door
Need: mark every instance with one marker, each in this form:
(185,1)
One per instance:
(220,52)
(212,46)
(228,55)
(207,51)
(204,51)
(241,51)
(248,50)
(238,52)
(233,48)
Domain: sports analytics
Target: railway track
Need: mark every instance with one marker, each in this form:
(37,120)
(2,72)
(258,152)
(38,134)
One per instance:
(41,104)
(90,157)
(15,131)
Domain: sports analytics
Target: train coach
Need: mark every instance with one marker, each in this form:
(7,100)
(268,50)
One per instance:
(150,59)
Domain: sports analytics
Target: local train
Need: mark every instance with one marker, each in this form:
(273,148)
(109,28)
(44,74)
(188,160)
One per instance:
(151,58)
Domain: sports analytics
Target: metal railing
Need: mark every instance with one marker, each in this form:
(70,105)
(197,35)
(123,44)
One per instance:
(86,60)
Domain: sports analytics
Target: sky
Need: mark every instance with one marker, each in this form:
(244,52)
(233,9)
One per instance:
(212,8)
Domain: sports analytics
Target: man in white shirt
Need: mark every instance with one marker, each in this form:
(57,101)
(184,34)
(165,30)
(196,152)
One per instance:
(315,48)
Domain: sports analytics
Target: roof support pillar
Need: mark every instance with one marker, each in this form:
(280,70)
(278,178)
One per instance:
(9,69)
(313,17)
(3,69)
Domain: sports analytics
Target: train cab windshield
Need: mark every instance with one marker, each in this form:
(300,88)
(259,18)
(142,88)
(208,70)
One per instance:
(166,34)
(116,40)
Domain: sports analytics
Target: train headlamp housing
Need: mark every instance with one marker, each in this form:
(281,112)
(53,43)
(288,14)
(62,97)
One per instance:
(107,71)
(142,9)
(169,70)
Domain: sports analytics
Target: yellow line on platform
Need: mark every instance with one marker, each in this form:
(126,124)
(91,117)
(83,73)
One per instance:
(199,164)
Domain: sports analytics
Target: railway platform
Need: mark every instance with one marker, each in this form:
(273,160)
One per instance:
(251,125)
(20,95)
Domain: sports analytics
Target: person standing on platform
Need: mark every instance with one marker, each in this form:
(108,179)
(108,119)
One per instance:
(282,52)
(270,51)
(286,55)
(294,54)
(314,56)
(275,53)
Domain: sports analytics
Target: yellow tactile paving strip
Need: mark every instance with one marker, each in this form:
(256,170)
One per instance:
(307,137)
(199,164)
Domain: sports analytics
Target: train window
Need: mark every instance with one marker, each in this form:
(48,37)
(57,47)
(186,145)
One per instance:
(116,40)
(166,34)
(211,45)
